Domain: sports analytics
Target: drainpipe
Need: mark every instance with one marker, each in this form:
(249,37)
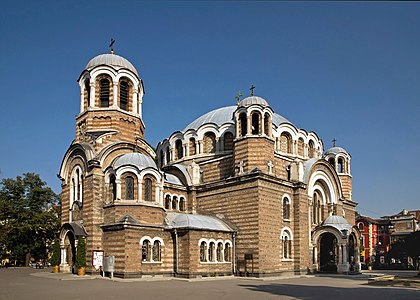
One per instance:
(234,253)
(176,252)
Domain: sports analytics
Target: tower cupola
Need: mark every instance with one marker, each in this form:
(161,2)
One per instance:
(111,98)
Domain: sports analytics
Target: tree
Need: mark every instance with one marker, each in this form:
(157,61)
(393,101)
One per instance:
(81,254)
(29,217)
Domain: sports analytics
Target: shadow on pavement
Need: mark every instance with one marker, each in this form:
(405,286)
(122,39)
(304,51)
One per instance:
(305,292)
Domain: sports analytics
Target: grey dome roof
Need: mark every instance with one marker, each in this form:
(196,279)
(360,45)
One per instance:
(336,150)
(253,100)
(180,220)
(135,159)
(218,116)
(224,115)
(112,60)
(337,222)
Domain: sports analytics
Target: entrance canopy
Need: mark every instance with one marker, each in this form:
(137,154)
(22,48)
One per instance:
(76,228)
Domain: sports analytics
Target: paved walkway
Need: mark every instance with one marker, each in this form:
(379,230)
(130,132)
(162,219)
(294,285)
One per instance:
(26,283)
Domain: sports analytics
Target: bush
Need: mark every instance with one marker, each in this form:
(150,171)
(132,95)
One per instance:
(55,258)
(81,254)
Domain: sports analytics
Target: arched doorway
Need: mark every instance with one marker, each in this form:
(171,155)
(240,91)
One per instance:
(70,251)
(70,233)
(328,254)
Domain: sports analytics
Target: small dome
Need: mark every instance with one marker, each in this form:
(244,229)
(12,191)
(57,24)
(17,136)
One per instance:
(336,150)
(253,100)
(139,160)
(337,222)
(113,60)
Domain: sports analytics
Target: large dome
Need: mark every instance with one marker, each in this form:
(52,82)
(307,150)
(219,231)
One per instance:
(224,115)
(113,60)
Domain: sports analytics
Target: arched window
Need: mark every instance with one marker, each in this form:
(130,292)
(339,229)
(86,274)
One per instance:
(219,252)
(209,142)
(174,203)
(113,187)
(182,204)
(145,250)
(192,146)
(162,162)
(315,209)
(76,187)
(104,92)
(286,247)
(87,93)
(285,143)
(243,124)
(311,152)
(227,252)
(361,226)
(124,89)
(300,147)
(179,153)
(168,155)
(332,161)
(168,202)
(203,250)
(156,251)
(286,208)
(340,165)
(267,124)
(211,251)
(228,141)
(148,190)
(287,244)
(255,123)
(129,188)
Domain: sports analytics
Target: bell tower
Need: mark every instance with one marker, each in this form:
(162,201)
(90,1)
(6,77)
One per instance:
(254,144)
(111,97)
(339,158)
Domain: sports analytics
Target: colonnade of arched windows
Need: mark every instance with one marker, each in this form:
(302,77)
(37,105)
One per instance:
(254,123)
(209,144)
(174,202)
(151,249)
(215,251)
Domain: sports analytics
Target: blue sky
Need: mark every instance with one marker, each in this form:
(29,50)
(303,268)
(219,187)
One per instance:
(346,70)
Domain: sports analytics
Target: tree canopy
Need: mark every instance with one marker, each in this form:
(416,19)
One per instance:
(29,217)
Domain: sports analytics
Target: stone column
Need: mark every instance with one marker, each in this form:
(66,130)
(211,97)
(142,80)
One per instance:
(115,94)
(91,100)
(135,102)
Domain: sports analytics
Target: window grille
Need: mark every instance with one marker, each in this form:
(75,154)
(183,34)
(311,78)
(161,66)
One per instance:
(104,92)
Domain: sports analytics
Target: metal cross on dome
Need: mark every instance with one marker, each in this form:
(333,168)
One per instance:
(334,141)
(111,45)
(252,89)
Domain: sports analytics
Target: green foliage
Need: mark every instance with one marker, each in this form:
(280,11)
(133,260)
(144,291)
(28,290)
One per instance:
(29,217)
(81,254)
(55,258)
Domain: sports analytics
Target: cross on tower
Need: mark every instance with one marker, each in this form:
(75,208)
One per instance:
(241,166)
(252,89)
(333,141)
(238,97)
(270,167)
(111,45)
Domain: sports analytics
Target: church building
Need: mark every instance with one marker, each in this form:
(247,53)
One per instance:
(239,191)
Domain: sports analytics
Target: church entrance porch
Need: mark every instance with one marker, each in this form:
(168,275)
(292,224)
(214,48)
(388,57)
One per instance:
(328,253)
(335,246)
(69,234)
